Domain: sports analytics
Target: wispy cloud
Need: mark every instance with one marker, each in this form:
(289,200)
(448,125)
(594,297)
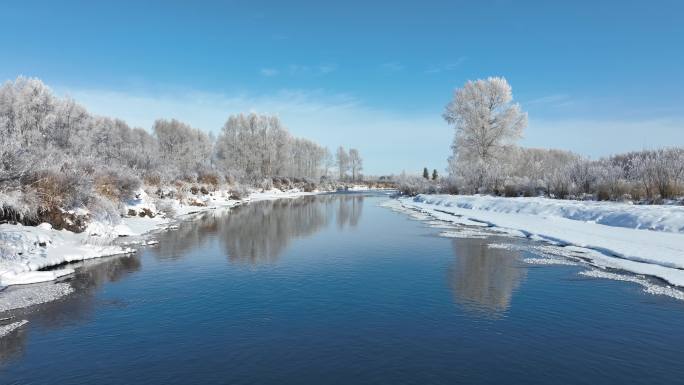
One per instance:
(445,67)
(307,70)
(268,72)
(556,100)
(392,66)
(300,70)
(327,68)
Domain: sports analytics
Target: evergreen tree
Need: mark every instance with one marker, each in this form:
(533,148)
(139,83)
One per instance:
(434,174)
(426,174)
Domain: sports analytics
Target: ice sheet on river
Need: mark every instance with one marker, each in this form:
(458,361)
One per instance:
(28,295)
(9,328)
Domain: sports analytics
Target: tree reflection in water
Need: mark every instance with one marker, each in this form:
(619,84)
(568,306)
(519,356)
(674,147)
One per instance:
(254,233)
(260,231)
(484,279)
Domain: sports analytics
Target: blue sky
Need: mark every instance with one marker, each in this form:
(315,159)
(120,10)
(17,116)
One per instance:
(595,77)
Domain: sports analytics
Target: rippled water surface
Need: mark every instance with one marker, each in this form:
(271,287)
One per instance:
(337,290)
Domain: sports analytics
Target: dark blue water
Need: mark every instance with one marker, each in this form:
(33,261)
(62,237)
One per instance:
(336,290)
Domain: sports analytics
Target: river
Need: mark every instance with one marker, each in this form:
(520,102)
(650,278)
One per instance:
(335,289)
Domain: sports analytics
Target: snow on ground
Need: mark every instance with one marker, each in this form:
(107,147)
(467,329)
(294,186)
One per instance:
(608,235)
(278,194)
(668,218)
(362,187)
(24,250)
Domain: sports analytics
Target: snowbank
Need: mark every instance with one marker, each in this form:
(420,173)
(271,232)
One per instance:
(650,217)
(26,249)
(610,234)
(278,194)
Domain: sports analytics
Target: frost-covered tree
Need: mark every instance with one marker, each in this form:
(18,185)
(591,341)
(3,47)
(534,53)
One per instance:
(70,126)
(355,163)
(55,156)
(342,161)
(255,146)
(486,122)
(186,149)
(659,172)
(485,117)
(328,162)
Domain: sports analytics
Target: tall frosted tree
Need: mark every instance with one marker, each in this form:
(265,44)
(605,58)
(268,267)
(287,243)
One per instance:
(342,161)
(486,121)
(328,162)
(355,163)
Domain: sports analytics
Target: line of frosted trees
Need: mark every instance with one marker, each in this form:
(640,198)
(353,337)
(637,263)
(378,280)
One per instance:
(486,159)
(56,155)
(348,162)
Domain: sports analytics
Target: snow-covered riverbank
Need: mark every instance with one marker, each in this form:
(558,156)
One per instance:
(645,240)
(26,250)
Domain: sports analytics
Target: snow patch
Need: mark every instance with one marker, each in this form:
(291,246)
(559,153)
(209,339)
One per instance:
(546,254)
(649,287)
(464,233)
(549,261)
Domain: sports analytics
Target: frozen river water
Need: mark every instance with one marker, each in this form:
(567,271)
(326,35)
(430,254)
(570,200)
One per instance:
(335,289)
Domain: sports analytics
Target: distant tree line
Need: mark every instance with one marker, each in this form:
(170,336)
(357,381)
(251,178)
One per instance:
(486,159)
(55,155)
(348,162)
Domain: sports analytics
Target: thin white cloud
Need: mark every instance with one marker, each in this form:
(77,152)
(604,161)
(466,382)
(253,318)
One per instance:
(554,100)
(445,67)
(327,68)
(392,66)
(300,70)
(307,70)
(268,72)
